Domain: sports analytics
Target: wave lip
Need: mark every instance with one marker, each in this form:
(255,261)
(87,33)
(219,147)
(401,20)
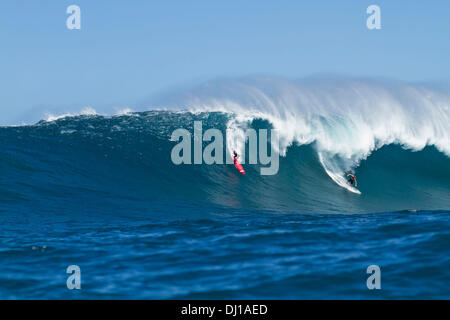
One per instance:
(88,111)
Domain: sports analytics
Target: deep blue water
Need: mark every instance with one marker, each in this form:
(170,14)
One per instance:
(101,193)
(233,254)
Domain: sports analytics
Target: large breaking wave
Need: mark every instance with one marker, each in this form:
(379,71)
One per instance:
(395,137)
(349,118)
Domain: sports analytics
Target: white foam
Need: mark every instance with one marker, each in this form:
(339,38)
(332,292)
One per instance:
(347,119)
(124,111)
(87,111)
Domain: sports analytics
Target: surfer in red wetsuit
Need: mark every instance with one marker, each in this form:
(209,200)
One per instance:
(236,163)
(352,179)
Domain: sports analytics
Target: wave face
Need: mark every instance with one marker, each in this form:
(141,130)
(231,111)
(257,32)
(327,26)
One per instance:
(126,159)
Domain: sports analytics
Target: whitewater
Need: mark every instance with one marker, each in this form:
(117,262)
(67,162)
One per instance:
(347,119)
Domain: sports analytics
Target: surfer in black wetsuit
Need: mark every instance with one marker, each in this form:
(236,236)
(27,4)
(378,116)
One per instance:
(352,179)
(235,155)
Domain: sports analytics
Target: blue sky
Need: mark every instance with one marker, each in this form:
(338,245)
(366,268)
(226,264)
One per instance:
(126,51)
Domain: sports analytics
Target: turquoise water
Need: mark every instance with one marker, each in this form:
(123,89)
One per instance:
(101,193)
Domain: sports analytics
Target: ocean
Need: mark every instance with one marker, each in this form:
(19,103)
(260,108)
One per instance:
(101,192)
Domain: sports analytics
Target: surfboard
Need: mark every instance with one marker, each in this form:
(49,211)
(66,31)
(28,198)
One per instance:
(238,166)
(337,175)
